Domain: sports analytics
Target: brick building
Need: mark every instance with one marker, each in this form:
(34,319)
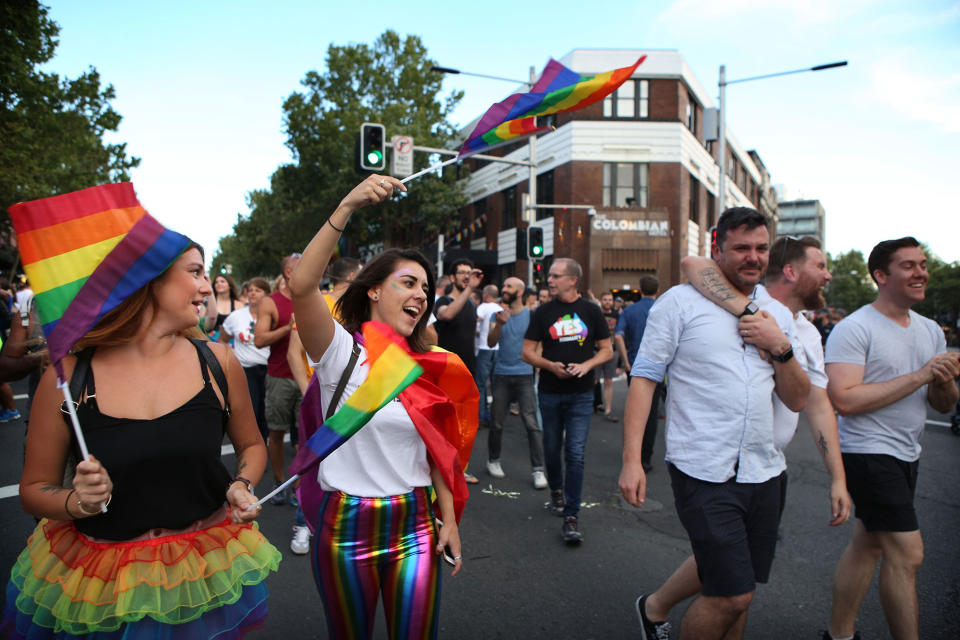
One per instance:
(640,159)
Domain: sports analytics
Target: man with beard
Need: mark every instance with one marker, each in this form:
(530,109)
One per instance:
(457,314)
(722,459)
(795,276)
(886,363)
(513,381)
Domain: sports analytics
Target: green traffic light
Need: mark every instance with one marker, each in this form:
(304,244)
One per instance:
(537,250)
(374,157)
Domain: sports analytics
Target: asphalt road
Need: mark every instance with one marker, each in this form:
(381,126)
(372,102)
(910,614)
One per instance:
(520,580)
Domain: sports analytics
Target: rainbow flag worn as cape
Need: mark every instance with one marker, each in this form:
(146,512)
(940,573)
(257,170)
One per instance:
(391,371)
(442,402)
(84,253)
(558,90)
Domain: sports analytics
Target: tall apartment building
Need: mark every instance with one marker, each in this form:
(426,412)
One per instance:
(640,159)
(803,218)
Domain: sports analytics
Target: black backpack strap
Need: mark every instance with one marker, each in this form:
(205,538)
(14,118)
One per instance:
(214,365)
(338,392)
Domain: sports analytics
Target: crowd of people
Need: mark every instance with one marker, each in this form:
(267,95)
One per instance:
(735,355)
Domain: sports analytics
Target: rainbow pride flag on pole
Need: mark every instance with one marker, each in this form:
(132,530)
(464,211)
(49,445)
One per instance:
(558,90)
(391,371)
(84,253)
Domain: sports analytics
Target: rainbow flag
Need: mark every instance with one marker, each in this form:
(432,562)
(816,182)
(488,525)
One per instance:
(391,371)
(84,253)
(558,90)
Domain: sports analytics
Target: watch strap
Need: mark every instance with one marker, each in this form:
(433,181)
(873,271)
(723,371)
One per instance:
(785,356)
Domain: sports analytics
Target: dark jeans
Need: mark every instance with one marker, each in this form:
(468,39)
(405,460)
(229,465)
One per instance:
(257,386)
(566,423)
(485,361)
(650,432)
(505,390)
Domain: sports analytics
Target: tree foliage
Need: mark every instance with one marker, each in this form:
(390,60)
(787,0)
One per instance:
(389,82)
(851,287)
(942,302)
(51,128)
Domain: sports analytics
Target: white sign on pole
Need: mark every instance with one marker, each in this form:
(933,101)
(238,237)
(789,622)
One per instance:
(401,160)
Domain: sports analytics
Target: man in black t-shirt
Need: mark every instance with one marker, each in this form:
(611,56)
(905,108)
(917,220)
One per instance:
(567,327)
(457,314)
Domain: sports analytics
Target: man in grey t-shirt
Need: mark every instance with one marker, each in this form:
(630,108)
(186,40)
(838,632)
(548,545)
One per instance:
(884,363)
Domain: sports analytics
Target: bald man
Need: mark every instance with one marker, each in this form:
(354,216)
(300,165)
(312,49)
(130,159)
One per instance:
(513,380)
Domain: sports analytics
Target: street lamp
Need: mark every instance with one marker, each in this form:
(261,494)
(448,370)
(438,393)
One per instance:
(722,133)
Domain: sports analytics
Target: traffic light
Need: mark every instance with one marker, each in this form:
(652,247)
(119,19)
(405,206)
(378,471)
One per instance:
(535,242)
(372,150)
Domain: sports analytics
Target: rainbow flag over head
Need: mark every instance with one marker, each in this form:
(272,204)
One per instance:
(558,90)
(391,371)
(84,253)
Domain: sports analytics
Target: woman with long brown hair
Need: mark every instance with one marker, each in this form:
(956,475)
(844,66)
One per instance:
(377,525)
(175,553)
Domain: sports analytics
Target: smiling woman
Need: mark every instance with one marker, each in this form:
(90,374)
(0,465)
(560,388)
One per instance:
(384,473)
(175,546)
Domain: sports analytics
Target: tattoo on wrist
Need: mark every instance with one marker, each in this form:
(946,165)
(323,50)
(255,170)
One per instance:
(714,283)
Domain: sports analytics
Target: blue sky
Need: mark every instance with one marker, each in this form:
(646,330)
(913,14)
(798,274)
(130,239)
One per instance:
(200,86)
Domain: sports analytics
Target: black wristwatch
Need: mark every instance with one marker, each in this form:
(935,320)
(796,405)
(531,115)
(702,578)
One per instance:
(751,309)
(783,357)
(244,481)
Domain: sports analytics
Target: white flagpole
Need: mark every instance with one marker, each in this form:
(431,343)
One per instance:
(429,169)
(72,410)
(273,493)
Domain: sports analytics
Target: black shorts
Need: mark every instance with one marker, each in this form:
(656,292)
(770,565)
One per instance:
(882,488)
(732,528)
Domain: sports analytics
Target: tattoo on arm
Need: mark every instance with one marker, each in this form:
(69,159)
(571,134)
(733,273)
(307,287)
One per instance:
(822,444)
(716,285)
(49,488)
(241,465)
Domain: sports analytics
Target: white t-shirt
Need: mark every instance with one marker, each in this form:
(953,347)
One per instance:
(24,298)
(484,312)
(386,457)
(808,349)
(240,324)
(886,351)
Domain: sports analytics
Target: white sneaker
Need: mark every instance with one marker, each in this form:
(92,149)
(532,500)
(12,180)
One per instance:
(539,480)
(494,469)
(300,543)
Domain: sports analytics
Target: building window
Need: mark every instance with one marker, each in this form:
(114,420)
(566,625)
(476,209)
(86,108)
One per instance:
(508,217)
(630,100)
(545,194)
(625,184)
(694,199)
(691,114)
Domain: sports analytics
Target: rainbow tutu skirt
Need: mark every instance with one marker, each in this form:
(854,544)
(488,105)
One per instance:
(196,585)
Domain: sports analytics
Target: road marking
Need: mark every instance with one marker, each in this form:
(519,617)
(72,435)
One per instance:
(13,490)
(937,423)
(21,396)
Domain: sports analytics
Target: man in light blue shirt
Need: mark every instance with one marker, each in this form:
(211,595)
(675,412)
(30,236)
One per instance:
(723,464)
(513,380)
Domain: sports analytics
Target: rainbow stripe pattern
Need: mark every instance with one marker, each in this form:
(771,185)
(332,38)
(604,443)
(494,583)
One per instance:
(391,371)
(85,252)
(201,584)
(558,90)
(369,546)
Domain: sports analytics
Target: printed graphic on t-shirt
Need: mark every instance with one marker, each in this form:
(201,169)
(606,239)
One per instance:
(246,335)
(568,328)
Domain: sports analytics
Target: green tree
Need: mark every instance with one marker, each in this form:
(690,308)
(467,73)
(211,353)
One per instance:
(51,128)
(389,82)
(942,302)
(851,287)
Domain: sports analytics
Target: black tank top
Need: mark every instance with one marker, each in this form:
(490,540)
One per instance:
(166,472)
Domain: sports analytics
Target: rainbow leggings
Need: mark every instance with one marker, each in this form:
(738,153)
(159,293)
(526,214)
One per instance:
(367,545)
